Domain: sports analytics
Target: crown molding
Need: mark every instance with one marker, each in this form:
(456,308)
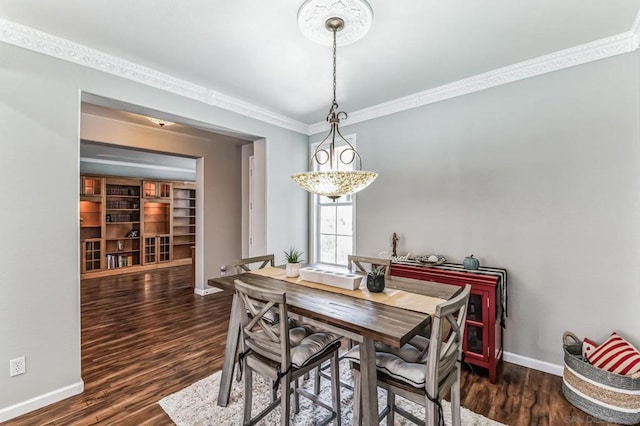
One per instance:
(38,41)
(578,55)
(58,47)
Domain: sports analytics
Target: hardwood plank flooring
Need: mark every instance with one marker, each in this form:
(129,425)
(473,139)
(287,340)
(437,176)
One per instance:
(146,335)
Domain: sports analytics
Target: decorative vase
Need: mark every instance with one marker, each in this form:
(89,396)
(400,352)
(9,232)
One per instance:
(471,263)
(375,283)
(293,270)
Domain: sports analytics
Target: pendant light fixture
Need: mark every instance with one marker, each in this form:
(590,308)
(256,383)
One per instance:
(344,174)
(161,123)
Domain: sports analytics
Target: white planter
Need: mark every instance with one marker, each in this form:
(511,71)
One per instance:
(293,270)
(332,278)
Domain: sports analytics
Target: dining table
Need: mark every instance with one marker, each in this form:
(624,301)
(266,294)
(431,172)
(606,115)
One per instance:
(357,315)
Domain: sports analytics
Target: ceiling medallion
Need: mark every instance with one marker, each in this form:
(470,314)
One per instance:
(356,14)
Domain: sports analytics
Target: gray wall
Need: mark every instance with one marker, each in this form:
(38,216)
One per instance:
(39,166)
(287,203)
(540,177)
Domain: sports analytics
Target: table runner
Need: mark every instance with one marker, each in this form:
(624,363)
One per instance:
(501,273)
(503,313)
(390,297)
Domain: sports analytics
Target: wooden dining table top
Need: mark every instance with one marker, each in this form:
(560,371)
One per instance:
(394,326)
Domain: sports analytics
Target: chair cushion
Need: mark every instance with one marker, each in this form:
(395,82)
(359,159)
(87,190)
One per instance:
(406,364)
(312,346)
(306,343)
(414,351)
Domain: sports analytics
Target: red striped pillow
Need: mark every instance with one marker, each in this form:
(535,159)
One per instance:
(616,355)
(588,346)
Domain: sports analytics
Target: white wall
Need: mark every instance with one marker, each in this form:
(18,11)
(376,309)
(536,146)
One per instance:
(540,177)
(39,164)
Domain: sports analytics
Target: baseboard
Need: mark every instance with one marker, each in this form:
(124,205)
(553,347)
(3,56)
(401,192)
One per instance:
(40,401)
(207,291)
(535,364)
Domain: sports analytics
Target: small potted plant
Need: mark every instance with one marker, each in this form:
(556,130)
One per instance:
(375,279)
(293,262)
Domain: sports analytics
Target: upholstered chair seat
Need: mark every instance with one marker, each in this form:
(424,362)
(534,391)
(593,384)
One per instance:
(306,344)
(406,364)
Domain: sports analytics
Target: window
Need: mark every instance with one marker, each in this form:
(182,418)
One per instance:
(333,223)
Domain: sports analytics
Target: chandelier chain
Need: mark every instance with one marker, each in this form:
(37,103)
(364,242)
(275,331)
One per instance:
(334,66)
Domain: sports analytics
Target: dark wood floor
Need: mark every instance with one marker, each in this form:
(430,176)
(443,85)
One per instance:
(145,336)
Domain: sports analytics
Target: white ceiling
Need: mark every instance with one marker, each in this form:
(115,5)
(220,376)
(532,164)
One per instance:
(254,51)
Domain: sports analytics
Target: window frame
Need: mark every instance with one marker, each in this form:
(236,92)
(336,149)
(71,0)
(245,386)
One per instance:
(314,213)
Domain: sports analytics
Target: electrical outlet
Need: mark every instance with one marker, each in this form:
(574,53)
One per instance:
(17,366)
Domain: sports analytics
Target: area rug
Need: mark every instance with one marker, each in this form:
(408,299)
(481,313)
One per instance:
(196,405)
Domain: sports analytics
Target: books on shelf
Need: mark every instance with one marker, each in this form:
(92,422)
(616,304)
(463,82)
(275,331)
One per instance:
(122,217)
(119,260)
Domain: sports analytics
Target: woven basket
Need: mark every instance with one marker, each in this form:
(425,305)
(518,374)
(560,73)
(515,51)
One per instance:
(608,396)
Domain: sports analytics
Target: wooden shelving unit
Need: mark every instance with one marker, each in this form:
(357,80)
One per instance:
(91,224)
(184,220)
(157,217)
(127,224)
(122,219)
(90,219)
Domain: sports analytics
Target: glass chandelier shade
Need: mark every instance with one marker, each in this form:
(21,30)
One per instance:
(344,174)
(334,183)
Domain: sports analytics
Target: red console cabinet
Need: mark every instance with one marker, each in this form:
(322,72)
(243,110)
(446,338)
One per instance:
(483,335)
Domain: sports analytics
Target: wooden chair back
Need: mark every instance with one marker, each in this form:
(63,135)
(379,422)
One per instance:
(445,347)
(357,261)
(243,265)
(258,333)
(264,344)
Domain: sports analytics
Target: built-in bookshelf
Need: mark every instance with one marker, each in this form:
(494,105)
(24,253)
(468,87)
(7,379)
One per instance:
(122,219)
(184,220)
(91,224)
(122,252)
(157,217)
(129,224)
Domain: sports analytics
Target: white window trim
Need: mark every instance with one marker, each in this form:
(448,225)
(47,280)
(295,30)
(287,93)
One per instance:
(313,211)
